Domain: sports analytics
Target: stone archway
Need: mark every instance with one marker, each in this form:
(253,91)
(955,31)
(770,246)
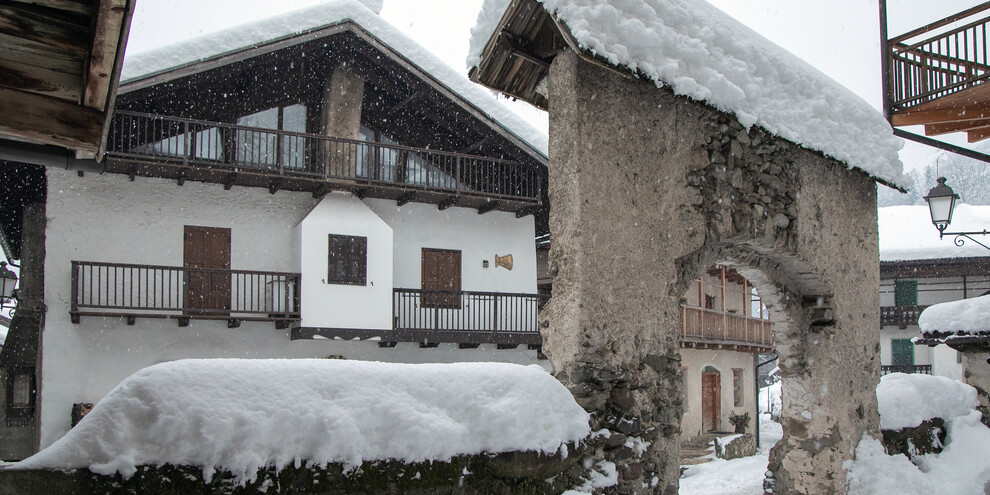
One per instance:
(648,189)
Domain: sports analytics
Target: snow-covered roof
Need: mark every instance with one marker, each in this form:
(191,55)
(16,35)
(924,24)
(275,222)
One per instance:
(244,414)
(962,317)
(907,233)
(142,65)
(703,53)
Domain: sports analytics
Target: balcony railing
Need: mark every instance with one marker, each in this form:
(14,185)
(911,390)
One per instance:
(709,326)
(215,145)
(902,316)
(931,62)
(925,369)
(119,289)
(465,316)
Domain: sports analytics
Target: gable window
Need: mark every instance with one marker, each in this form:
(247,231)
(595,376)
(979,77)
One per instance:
(348,260)
(259,147)
(906,293)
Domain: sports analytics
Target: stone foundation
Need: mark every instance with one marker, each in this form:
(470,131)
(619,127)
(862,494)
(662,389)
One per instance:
(523,473)
(649,189)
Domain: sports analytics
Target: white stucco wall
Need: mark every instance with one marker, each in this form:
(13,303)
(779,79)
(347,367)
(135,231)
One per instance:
(479,237)
(345,306)
(922,354)
(946,362)
(108,218)
(693,361)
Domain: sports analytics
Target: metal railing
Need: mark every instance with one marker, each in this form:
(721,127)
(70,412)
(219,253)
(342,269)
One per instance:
(227,146)
(940,64)
(698,324)
(925,369)
(901,316)
(464,311)
(149,290)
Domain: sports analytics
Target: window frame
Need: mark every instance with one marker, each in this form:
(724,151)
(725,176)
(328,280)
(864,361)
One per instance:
(905,291)
(356,276)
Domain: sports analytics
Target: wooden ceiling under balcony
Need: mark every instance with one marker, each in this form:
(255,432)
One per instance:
(59,64)
(936,76)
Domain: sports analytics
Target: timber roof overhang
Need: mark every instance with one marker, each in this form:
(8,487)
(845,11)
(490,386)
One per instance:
(61,62)
(517,56)
(401,92)
(935,268)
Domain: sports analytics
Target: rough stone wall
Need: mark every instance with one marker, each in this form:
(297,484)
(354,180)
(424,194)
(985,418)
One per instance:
(648,189)
(976,372)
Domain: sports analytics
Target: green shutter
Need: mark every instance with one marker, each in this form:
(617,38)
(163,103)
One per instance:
(906,293)
(901,352)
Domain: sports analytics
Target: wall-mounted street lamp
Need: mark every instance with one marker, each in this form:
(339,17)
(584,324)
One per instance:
(941,202)
(8,280)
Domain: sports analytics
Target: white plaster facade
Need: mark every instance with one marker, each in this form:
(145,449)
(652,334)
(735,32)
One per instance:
(109,218)
(693,361)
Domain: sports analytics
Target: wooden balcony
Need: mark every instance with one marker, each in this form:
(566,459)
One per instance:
(902,316)
(185,149)
(934,75)
(467,318)
(710,329)
(925,369)
(149,291)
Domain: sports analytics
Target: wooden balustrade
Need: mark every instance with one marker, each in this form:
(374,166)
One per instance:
(715,327)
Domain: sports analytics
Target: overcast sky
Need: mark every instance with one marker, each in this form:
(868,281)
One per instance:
(839,37)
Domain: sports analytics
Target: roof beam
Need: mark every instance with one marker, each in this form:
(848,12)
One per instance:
(940,116)
(487,207)
(41,119)
(405,101)
(106,39)
(978,134)
(947,128)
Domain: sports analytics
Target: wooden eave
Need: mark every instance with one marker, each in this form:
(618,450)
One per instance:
(346,25)
(966,111)
(61,62)
(935,268)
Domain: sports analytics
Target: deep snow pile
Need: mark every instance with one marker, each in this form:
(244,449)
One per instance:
(141,65)
(907,233)
(242,415)
(703,53)
(905,400)
(961,468)
(965,316)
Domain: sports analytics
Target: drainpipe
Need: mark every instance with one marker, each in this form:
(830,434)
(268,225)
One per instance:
(48,156)
(756,378)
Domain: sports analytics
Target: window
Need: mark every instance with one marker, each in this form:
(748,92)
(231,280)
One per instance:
(257,147)
(906,293)
(709,302)
(20,395)
(901,352)
(737,387)
(348,260)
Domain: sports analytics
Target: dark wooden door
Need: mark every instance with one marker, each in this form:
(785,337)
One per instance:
(441,271)
(711,393)
(207,249)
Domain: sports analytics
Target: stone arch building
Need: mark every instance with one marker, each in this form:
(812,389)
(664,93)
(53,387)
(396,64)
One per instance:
(662,164)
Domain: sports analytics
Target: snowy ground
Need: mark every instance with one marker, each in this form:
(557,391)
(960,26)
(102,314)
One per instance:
(738,476)
(963,468)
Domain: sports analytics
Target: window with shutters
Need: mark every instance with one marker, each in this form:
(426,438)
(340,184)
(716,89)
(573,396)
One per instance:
(348,260)
(21,394)
(901,352)
(906,293)
(441,278)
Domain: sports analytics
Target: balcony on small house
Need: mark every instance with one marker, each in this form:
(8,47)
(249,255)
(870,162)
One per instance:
(707,328)
(901,316)
(186,149)
(925,369)
(935,75)
(136,291)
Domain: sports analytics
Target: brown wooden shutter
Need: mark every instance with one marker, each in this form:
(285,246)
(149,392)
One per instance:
(206,255)
(347,260)
(441,271)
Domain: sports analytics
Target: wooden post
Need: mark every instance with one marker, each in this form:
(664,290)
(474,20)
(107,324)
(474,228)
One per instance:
(725,316)
(745,311)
